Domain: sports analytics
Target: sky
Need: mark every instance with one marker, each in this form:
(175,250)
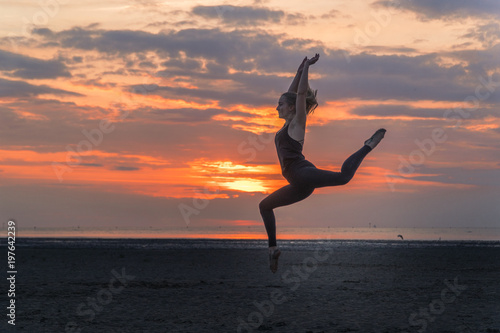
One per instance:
(163,113)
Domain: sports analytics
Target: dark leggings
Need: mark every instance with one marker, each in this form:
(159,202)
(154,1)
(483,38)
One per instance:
(303,181)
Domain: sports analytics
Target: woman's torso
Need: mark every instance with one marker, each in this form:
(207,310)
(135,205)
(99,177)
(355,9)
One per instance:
(289,151)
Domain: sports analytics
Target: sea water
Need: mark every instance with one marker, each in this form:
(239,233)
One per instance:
(253,237)
(258,232)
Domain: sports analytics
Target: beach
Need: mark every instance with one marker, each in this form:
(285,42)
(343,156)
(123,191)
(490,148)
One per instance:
(332,287)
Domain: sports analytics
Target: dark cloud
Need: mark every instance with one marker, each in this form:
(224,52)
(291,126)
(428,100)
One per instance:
(169,24)
(460,175)
(297,18)
(184,115)
(96,83)
(183,64)
(446,9)
(331,14)
(91,164)
(42,32)
(227,49)
(205,43)
(407,111)
(390,49)
(246,95)
(10,119)
(415,68)
(9,88)
(175,136)
(480,63)
(147,64)
(366,76)
(240,15)
(25,67)
(51,127)
(488,34)
(404,77)
(126,168)
(209,58)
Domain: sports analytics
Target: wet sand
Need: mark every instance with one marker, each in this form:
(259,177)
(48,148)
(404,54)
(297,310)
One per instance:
(341,289)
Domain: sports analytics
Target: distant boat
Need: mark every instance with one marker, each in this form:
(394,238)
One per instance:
(400,236)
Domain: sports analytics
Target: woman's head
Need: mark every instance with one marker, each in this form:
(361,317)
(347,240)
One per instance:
(290,99)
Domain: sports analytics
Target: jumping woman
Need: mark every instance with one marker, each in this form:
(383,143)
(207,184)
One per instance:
(294,106)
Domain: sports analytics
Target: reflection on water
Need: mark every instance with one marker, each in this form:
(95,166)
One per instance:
(258,233)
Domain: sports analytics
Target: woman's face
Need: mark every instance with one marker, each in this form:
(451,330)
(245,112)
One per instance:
(285,110)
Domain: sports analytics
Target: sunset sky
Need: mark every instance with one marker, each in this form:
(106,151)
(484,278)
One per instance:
(162,113)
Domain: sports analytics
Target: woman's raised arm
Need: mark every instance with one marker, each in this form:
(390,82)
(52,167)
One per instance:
(295,83)
(300,105)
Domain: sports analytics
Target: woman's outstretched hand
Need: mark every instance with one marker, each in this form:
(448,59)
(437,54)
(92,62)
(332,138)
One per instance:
(313,60)
(295,86)
(301,67)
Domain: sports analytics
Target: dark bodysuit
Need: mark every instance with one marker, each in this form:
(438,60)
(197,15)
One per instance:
(303,178)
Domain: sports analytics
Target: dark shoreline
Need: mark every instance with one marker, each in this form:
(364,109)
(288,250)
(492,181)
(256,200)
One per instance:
(342,288)
(209,243)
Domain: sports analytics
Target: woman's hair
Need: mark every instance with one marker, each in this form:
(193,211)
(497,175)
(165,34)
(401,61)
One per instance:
(311,102)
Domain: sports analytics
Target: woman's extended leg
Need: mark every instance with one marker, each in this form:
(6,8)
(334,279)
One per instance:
(316,178)
(286,195)
(311,176)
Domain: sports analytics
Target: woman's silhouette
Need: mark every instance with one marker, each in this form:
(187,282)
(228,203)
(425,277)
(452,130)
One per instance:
(302,175)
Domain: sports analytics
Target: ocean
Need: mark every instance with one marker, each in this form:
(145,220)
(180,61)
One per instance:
(253,237)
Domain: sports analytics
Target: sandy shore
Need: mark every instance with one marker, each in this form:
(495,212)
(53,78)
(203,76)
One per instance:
(344,289)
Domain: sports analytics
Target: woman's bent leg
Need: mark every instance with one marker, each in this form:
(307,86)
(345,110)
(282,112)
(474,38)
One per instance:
(286,195)
(320,178)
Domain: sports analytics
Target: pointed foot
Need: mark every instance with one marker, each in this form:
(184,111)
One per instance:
(375,138)
(274,254)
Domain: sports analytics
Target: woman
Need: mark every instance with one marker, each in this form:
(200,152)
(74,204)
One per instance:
(302,175)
